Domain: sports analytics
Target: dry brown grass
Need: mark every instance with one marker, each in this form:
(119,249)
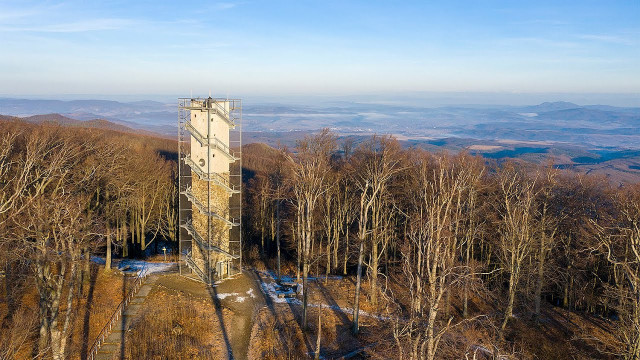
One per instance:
(273,339)
(277,335)
(174,326)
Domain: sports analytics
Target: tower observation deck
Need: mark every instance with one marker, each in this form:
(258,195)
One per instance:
(210,185)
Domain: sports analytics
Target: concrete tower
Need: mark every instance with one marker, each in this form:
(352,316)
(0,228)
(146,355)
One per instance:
(210,187)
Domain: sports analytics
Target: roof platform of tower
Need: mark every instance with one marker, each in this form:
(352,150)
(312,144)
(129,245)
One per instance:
(234,104)
(214,105)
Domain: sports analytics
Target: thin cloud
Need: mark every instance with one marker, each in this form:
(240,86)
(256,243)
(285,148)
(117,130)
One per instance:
(219,6)
(14,15)
(8,14)
(74,27)
(224,5)
(540,22)
(540,42)
(606,38)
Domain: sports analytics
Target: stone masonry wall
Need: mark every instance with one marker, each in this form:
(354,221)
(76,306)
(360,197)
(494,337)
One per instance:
(219,234)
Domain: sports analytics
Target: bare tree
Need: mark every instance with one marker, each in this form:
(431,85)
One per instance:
(377,162)
(472,224)
(278,193)
(548,220)
(310,171)
(517,229)
(429,266)
(150,188)
(621,244)
(54,227)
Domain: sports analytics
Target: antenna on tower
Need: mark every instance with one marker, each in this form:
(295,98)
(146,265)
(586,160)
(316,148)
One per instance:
(209,92)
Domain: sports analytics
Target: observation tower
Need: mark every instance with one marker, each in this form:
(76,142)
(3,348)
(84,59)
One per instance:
(210,184)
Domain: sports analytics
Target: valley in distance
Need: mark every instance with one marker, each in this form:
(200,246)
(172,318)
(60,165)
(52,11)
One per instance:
(594,139)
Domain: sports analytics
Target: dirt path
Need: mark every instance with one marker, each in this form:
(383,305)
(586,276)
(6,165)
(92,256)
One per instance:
(113,344)
(235,302)
(244,306)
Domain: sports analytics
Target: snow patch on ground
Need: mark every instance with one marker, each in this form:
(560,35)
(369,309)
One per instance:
(137,265)
(288,278)
(237,296)
(223,296)
(269,289)
(250,293)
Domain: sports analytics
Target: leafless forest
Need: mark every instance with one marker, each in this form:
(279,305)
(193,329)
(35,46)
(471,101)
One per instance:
(454,257)
(449,243)
(66,194)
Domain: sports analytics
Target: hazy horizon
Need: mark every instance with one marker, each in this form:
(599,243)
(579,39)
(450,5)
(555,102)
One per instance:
(426,99)
(248,48)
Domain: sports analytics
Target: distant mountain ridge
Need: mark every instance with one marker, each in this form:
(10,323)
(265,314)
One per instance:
(551,106)
(597,126)
(147,115)
(66,121)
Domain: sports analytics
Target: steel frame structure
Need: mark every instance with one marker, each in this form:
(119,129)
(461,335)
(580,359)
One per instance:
(232,185)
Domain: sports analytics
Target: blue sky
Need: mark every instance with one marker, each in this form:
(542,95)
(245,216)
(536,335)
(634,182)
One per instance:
(318,47)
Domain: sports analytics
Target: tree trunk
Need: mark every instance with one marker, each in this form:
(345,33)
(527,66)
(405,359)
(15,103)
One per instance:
(319,336)
(328,262)
(64,336)
(125,243)
(565,293)
(465,302)
(141,236)
(512,294)
(299,252)
(278,235)
(430,337)
(305,267)
(305,293)
(107,263)
(374,271)
(346,253)
(43,339)
(336,244)
(56,334)
(540,282)
(356,307)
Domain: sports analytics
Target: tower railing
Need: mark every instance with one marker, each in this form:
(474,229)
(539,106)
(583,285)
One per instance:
(211,141)
(203,209)
(191,230)
(215,177)
(192,265)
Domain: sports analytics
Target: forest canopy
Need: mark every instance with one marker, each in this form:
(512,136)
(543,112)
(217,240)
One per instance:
(65,195)
(438,244)
(449,240)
